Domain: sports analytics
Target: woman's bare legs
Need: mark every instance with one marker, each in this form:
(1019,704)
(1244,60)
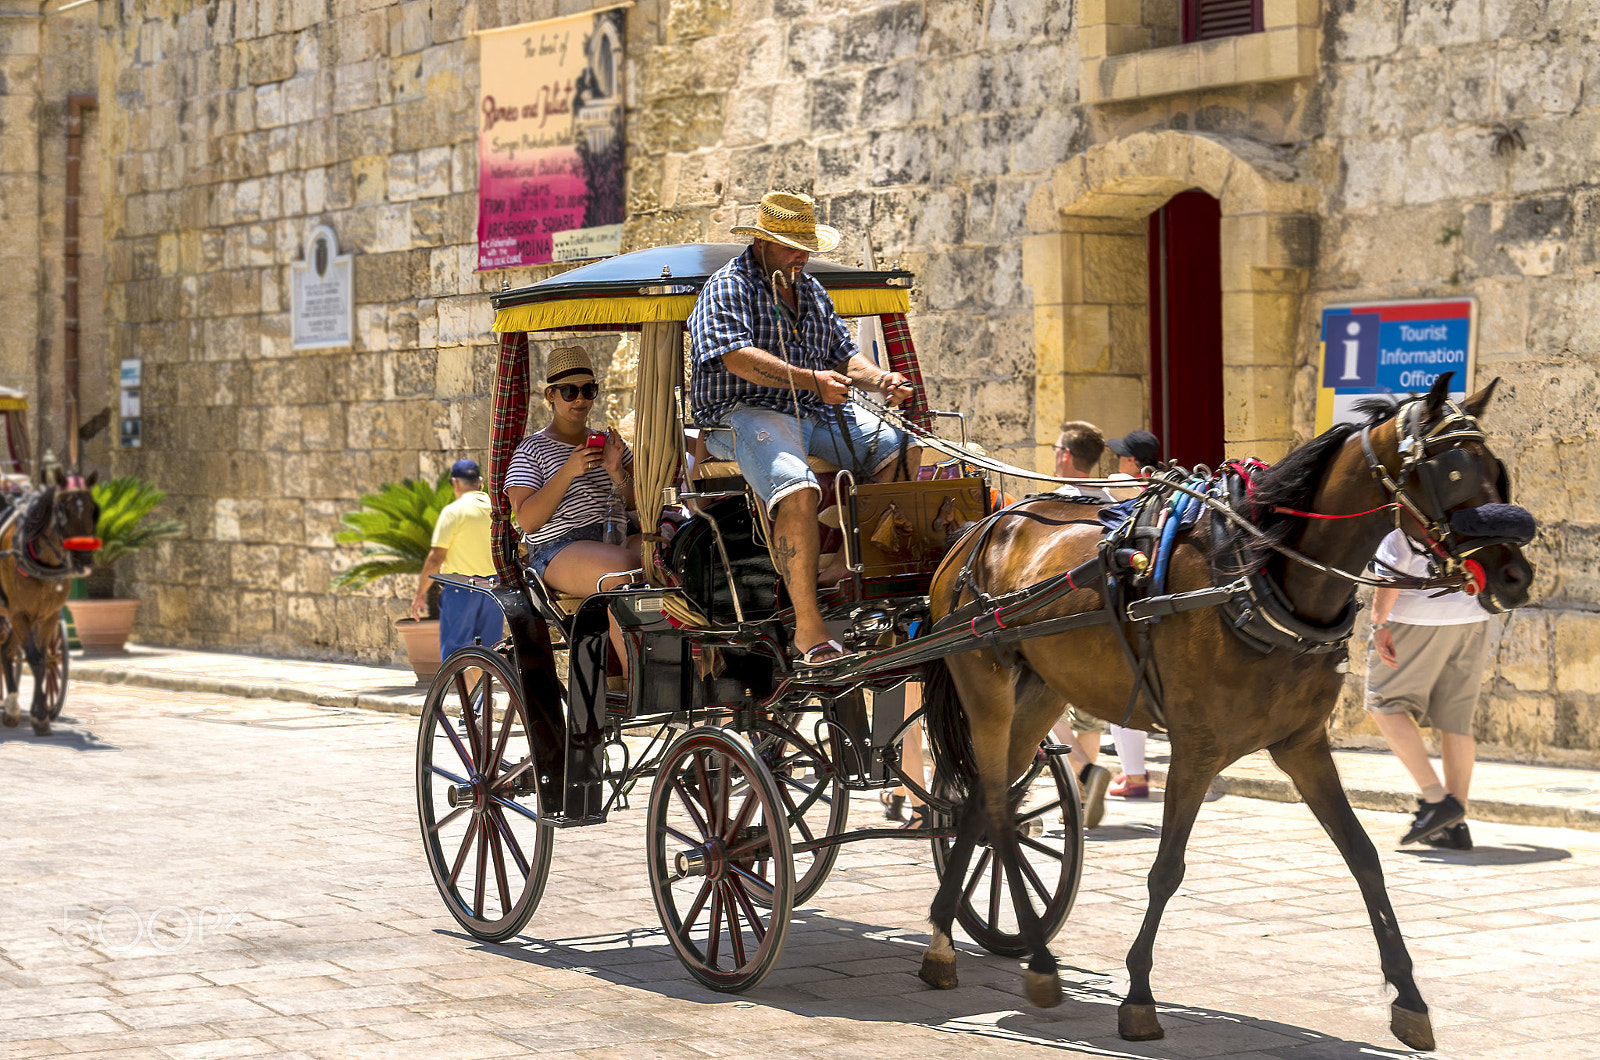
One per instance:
(578,569)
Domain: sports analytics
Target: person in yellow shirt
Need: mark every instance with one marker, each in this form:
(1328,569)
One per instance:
(461,547)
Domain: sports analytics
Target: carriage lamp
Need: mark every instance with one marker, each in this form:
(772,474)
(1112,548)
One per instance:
(80,544)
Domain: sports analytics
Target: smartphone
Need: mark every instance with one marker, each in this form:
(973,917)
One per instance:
(596,440)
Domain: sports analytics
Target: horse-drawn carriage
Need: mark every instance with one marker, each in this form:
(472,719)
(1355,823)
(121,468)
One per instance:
(46,534)
(750,759)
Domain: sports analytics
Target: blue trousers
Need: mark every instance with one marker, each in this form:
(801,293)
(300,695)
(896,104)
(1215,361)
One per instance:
(464,614)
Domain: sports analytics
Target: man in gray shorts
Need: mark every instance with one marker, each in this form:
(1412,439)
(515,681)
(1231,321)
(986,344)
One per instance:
(1425,666)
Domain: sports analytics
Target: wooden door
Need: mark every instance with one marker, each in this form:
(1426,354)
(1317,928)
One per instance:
(1185,264)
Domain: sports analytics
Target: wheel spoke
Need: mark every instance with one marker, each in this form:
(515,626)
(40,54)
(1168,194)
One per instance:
(751,915)
(977,875)
(698,904)
(447,726)
(468,720)
(796,817)
(680,837)
(516,806)
(693,811)
(714,939)
(510,840)
(735,933)
(1039,811)
(747,810)
(483,870)
(1032,876)
(753,880)
(994,891)
(486,722)
(446,774)
(466,845)
(447,818)
(1033,844)
(493,765)
(703,782)
(500,881)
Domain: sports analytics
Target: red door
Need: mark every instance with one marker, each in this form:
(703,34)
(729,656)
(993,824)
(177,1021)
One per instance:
(1186,328)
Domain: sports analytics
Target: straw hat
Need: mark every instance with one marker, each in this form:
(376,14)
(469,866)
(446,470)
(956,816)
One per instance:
(568,364)
(792,221)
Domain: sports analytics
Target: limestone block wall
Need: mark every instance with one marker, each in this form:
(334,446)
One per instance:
(1423,205)
(231,129)
(20,29)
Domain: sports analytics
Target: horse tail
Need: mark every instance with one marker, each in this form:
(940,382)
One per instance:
(949,732)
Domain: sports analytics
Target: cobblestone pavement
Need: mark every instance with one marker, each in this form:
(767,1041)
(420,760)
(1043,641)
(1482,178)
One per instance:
(189,875)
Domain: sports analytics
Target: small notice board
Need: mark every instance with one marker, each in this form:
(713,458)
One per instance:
(1390,349)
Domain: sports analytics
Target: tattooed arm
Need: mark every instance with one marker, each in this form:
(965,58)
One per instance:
(762,368)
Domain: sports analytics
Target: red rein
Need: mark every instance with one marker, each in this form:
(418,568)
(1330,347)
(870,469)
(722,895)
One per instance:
(80,544)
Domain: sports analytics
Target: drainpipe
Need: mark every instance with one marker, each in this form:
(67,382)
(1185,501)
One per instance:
(76,105)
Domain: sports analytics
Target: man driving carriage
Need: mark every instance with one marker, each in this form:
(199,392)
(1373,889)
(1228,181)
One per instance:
(773,368)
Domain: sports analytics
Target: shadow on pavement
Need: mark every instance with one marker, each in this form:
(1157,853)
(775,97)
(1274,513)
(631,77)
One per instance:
(850,970)
(1511,854)
(66,734)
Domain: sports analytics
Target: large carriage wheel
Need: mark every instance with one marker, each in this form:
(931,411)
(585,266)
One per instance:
(56,661)
(711,813)
(1050,834)
(814,799)
(477,796)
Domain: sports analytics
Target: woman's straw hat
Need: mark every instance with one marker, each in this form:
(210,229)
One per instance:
(568,364)
(792,221)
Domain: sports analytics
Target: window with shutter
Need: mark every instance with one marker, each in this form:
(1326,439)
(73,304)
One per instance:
(1211,19)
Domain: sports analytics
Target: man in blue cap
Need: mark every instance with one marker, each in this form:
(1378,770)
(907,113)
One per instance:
(461,547)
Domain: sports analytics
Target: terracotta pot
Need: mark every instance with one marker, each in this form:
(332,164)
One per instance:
(103,625)
(421,637)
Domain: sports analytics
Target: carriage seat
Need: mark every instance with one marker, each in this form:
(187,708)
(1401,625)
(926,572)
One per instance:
(712,468)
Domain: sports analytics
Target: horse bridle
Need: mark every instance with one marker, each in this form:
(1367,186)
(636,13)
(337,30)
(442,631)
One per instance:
(1448,477)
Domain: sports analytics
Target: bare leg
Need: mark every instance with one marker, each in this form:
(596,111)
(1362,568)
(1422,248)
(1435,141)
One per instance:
(1459,753)
(794,547)
(1310,766)
(890,472)
(577,570)
(1405,740)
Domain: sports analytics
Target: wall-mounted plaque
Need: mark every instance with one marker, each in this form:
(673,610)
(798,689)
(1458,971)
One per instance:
(322,294)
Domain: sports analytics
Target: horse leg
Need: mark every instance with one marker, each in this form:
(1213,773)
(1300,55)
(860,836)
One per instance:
(939,959)
(40,711)
(1041,982)
(1187,784)
(12,712)
(1310,765)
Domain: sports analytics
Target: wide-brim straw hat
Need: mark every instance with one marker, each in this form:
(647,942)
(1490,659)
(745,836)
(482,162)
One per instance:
(568,364)
(792,221)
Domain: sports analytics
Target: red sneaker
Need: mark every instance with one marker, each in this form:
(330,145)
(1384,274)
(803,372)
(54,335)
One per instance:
(1123,788)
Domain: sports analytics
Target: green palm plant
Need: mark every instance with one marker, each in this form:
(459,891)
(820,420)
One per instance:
(396,524)
(126,525)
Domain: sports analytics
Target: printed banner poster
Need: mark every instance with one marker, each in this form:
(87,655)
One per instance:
(1391,349)
(550,141)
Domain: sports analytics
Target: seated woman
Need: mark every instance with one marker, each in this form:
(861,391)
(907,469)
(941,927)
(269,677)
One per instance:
(559,488)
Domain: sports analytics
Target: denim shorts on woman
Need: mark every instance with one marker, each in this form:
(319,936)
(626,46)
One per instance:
(540,555)
(771,447)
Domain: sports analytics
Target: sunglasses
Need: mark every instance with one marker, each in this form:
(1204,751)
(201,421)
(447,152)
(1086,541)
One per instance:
(570,391)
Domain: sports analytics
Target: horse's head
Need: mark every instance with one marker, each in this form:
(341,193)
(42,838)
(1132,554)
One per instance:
(75,516)
(1459,496)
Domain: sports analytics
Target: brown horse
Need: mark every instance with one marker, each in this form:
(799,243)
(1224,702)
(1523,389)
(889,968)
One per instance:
(1222,698)
(49,539)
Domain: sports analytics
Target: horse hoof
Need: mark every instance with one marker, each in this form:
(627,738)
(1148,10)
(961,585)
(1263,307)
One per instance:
(939,973)
(1138,1023)
(1415,1029)
(10,720)
(1043,988)
(41,728)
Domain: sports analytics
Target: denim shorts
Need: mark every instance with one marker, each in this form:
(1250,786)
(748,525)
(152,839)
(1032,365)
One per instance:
(540,555)
(771,447)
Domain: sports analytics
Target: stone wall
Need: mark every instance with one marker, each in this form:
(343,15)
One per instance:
(954,135)
(20,31)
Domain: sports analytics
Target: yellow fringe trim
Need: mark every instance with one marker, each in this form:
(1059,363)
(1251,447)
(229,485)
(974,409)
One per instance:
(569,313)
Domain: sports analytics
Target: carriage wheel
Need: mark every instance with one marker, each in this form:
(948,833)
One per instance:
(711,811)
(1050,834)
(56,660)
(477,798)
(814,799)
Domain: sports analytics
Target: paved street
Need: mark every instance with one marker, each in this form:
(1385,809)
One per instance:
(190,875)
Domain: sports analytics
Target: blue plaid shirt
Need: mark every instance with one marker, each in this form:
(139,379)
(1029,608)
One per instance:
(735,310)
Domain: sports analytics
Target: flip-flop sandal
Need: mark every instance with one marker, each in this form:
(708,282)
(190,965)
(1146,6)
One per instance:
(828,653)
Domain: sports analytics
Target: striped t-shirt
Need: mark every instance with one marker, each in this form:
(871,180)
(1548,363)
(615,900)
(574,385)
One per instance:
(536,462)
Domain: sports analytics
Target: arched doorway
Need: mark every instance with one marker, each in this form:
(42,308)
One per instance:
(1185,267)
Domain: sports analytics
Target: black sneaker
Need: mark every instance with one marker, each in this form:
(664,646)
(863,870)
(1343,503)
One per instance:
(1456,837)
(1434,817)
(1093,780)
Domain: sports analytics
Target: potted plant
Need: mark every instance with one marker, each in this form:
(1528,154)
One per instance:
(126,526)
(396,525)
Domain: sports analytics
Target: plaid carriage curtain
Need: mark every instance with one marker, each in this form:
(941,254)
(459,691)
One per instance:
(903,359)
(510,417)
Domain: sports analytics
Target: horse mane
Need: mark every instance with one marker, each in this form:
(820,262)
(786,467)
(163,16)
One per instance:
(36,516)
(1292,483)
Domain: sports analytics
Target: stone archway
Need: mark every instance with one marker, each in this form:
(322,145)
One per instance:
(1086,264)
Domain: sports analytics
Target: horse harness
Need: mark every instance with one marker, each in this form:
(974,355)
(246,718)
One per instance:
(1132,557)
(33,521)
